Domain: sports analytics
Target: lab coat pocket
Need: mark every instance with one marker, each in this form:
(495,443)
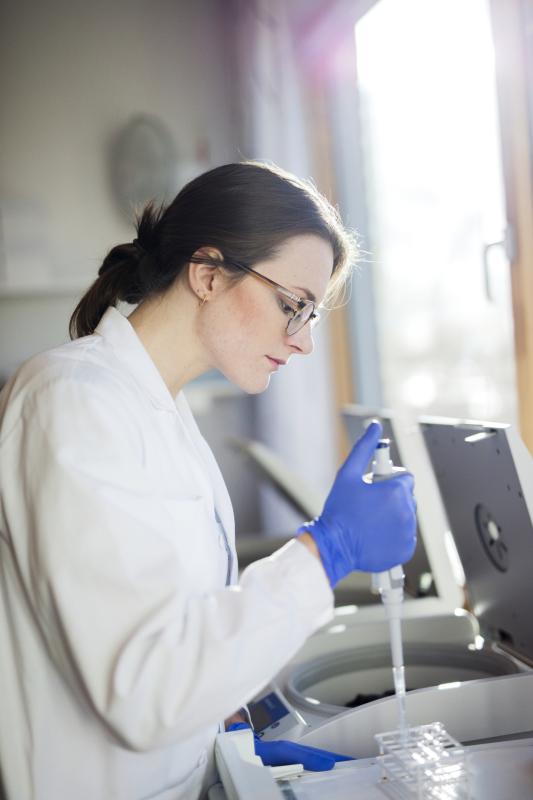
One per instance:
(194,533)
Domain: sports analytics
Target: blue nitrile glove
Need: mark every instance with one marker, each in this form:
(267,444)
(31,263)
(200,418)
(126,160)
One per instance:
(365,526)
(280,752)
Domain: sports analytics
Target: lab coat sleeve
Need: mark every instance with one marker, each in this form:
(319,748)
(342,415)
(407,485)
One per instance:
(156,661)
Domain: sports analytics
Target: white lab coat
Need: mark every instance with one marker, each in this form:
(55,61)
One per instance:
(121,648)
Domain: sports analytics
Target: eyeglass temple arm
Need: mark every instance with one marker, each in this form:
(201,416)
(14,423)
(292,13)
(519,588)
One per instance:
(294,297)
(286,292)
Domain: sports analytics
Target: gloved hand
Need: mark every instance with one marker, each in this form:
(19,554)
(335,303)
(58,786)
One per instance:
(365,526)
(281,752)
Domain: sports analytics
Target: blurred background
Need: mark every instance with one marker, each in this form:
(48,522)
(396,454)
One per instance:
(412,116)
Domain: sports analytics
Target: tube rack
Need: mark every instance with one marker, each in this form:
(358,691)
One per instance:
(423,763)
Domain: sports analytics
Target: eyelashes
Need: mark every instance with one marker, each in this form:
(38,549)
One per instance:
(288,310)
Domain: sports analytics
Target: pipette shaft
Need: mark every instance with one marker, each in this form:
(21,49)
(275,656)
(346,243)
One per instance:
(390,586)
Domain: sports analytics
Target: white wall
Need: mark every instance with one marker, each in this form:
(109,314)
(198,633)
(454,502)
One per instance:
(71,74)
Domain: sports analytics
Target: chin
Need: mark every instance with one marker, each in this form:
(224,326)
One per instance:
(250,385)
(255,387)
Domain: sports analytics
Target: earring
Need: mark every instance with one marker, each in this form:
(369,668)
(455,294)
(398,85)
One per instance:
(202,301)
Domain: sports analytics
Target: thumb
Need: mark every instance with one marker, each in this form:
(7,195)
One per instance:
(316,760)
(363,450)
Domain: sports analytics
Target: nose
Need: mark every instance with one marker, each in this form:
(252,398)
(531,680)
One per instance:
(302,341)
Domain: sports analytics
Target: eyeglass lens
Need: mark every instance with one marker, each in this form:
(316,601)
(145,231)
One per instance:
(300,318)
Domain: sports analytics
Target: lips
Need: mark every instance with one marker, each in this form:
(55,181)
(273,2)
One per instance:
(279,361)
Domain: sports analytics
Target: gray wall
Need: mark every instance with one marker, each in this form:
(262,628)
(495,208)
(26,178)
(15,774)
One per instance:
(72,74)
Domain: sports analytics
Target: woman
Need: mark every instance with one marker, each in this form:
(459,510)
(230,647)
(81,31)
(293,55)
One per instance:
(125,638)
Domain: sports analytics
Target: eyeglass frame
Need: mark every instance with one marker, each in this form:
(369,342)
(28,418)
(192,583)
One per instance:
(300,302)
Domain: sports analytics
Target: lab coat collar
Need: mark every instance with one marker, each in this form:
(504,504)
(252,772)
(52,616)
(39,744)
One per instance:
(119,333)
(116,329)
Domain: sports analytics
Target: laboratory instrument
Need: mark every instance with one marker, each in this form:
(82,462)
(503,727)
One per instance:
(485,475)
(389,584)
(348,660)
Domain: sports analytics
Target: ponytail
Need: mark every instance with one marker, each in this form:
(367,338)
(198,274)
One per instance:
(126,274)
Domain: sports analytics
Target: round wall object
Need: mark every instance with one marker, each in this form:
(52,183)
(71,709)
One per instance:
(144,163)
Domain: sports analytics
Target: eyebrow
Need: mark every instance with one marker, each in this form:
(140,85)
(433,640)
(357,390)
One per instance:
(307,293)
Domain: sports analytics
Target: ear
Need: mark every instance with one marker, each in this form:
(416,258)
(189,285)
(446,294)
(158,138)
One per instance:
(205,278)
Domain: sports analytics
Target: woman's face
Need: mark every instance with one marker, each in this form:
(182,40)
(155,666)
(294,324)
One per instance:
(244,328)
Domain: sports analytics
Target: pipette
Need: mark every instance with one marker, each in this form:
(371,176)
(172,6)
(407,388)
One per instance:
(390,586)
(422,761)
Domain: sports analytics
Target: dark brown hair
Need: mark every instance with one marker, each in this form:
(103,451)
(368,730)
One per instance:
(245,210)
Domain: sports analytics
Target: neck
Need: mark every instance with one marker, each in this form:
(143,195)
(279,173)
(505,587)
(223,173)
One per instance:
(166,327)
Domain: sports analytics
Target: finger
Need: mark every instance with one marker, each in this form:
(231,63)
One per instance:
(363,450)
(406,479)
(407,487)
(317,761)
(336,756)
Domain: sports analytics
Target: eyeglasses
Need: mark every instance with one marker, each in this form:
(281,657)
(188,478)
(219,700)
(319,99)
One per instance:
(298,317)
